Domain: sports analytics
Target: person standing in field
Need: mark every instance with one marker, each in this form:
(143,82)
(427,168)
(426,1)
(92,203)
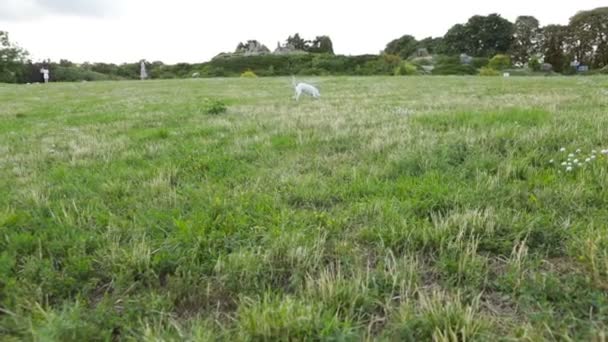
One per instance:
(142,70)
(45,74)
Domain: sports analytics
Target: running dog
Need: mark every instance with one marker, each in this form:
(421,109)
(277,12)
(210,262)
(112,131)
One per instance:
(304,88)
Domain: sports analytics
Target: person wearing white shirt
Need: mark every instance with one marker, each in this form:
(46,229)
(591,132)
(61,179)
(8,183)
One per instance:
(45,74)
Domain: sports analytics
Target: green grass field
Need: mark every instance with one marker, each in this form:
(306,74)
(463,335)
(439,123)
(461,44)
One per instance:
(401,209)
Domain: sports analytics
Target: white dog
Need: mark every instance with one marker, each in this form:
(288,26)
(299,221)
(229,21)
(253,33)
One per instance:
(304,88)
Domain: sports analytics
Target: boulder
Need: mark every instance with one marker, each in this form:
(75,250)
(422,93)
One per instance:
(465,59)
(546,67)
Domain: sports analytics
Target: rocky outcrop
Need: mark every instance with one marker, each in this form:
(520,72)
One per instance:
(255,48)
(287,49)
(251,48)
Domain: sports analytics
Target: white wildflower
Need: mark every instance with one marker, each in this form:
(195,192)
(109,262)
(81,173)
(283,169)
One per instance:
(564,164)
(587,160)
(578,150)
(569,169)
(551,161)
(571,155)
(575,161)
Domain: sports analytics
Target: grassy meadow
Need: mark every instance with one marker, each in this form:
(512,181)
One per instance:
(397,209)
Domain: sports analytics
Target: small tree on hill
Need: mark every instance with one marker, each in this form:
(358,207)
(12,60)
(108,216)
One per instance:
(298,42)
(404,46)
(322,44)
(11,59)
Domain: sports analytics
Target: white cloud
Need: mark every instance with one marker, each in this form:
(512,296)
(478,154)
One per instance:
(34,9)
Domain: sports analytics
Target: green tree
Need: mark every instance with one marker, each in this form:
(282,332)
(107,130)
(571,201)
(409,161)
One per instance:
(481,36)
(489,35)
(525,39)
(456,41)
(432,45)
(553,45)
(322,44)
(298,42)
(587,38)
(404,46)
(65,63)
(12,58)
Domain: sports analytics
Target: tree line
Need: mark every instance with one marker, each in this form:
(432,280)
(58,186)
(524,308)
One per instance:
(584,40)
(527,44)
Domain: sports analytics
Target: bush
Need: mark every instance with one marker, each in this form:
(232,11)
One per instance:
(249,74)
(534,64)
(215,107)
(603,71)
(500,62)
(422,61)
(480,62)
(75,74)
(485,71)
(213,71)
(406,68)
(521,72)
(442,59)
(448,69)
(7,77)
(380,65)
(569,71)
(313,72)
(449,65)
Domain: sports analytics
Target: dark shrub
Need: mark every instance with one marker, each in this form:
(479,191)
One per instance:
(215,107)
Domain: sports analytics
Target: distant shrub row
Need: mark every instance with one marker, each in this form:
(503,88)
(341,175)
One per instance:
(272,65)
(303,64)
(324,64)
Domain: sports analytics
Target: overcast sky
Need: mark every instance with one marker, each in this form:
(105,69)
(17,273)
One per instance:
(196,30)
